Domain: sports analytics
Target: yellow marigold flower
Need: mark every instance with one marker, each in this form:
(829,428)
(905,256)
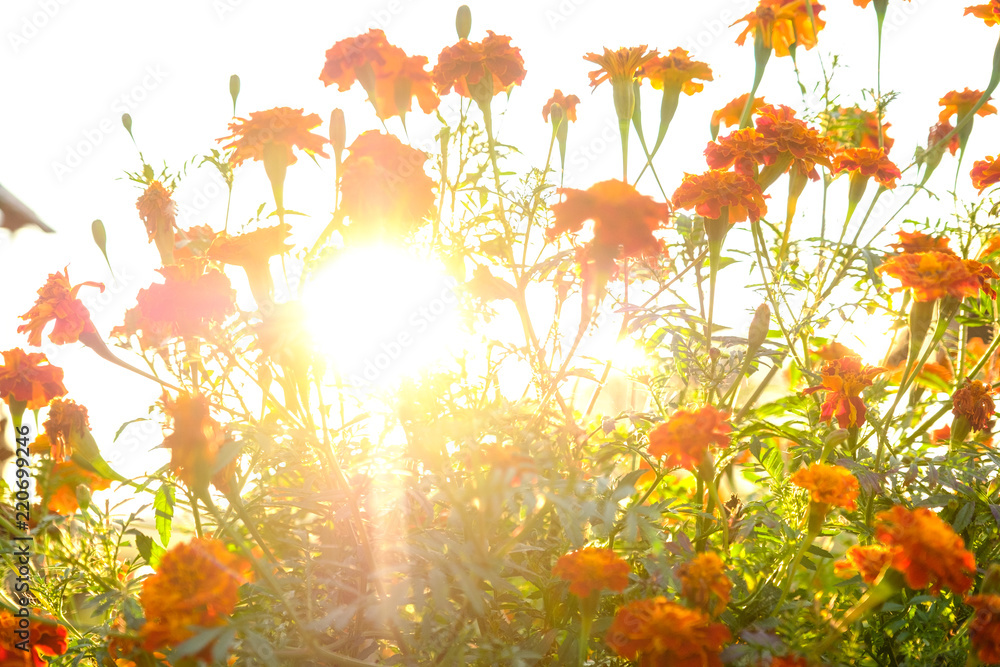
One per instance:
(704,583)
(974,401)
(676,70)
(709,193)
(843,381)
(592,569)
(783,25)
(57,302)
(990,13)
(984,630)
(660,632)
(985,173)
(687,434)
(961,103)
(864,163)
(828,485)
(926,549)
(934,275)
(196,585)
(868,561)
(916,242)
(66,422)
(280,126)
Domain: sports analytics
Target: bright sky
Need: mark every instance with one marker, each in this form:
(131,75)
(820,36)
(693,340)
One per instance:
(69,69)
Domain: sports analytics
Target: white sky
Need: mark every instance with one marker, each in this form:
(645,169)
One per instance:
(69,69)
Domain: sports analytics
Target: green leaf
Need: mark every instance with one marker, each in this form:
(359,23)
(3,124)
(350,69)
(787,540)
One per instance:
(150,551)
(123,426)
(164,506)
(964,517)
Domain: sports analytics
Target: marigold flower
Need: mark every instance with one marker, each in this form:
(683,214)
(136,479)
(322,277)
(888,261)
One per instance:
(974,401)
(193,242)
(984,630)
(985,173)
(621,65)
(354,59)
(57,302)
(866,163)
(704,583)
(196,585)
(834,350)
(790,660)
(685,436)
(730,114)
(709,193)
(195,442)
(917,242)
(790,140)
(252,252)
(157,211)
(843,381)
(961,103)
(61,484)
(30,378)
(488,67)
(783,24)
(660,632)
(938,132)
(567,102)
(926,549)
(66,421)
(868,561)
(384,188)
(853,126)
(676,70)
(507,461)
(990,13)
(743,149)
(280,126)
(44,639)
(828,485)
(933,275)
(591,570)
(191,298)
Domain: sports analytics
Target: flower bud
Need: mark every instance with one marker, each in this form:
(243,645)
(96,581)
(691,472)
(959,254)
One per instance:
(463,21)
(83,496)
(759,327)
(338,133)
(234,89)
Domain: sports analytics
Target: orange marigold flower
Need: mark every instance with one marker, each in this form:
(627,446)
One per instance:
(30,378)
(676,70)
(193,242)
(591,570)
(384,188)
(974,401)
(828,485)
(985,173)
(990,13)
(61,484)
(709,193)
(790,139)
(933,275)
(660,632)
(704,583)
(853,126)
(743,149)
(253,252)
(961,103)
(783,24)
(868,561)
(925,549)
(730,114)
(195,442)
(938,132)
(66,422)
(843,381)
(685,437)
(865,163)
(567,102)
(917,242)
(621,65)
(790,660)
(984,630)
(57,302)
(196,586)
(834,350)
(191,297)
(157,211)
(281,126)
(488,67)
(45,638)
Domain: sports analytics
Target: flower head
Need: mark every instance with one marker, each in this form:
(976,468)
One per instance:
(974,401)
(57,302)
(676,70)
(743,149)
(567,102)
(933,275)
(985,173)
(45,638)
(592,569)
(487,68)
(961,103)
(990,13)
(660,632)
(790,140)
(783,25)
(984,630)
(195,442)
(66,422)
(917,242)
(29,377)
(619,66)
(730,114)
(843,381)
(280,126)
(925,549)
(685,437)
(704,583)
(828,485)
(868,561)
(253,252)
(157,211)
(855,127)
(866,163)
(61,484)
(709,193)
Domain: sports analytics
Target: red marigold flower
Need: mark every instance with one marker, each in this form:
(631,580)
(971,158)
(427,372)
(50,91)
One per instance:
(868,561)
(45,639)
(984,630)
(280,126)
(195,442)
(865,163)
(591,570)
(783,24)
(384,188)
(743,149)
(828,485)
(843,381)
(709,193)
(61,484)
(57,302)
(985,173)
(732,112)
(961,103)
(704,583)
(660,632)
(933,275)
(676,70)
(925,549)
(685,437)
(196,585)
(853,126)
(917,242)
(66,422)
(567,102)
(790,140)
(157,211)
(253,252)
(974,401)
(990,13)
(490,66)
(621,65)
(30,378)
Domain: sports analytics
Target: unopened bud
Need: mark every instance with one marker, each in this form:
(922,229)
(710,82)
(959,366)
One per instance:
(338,132)
(836,437)
(83,496)
(234,89)
(463,22)
(759,327)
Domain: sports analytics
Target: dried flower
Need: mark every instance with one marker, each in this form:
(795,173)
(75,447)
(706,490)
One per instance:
(57,302)
(843,381)
(591,570)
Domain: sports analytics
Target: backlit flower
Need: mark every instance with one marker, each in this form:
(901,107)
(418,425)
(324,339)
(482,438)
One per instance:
(938,132)
(385,191)
(193,242)
(29,377)
(659,633)
(253,252)
(592,569)
(66,422)
(990,13)
(925,549)
(486,68)
(783,24)
(195,442)
(621,65)
(676,70)
(985,173)
(684,438)
(868,561)
(196,585)
(281,126)
(974,401)
(864,163)
(730,114)
(743,149)
(834,350)
(917,242)
(984,630)
(961,103)
(567,102)
(45,639)
(843,381)
(790,141)
(709,193)
(704,584)
(191,298)
(828,485)
(157,211)
(60,486)
(57,302)
(355,58)
(933,275)
(853,126)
